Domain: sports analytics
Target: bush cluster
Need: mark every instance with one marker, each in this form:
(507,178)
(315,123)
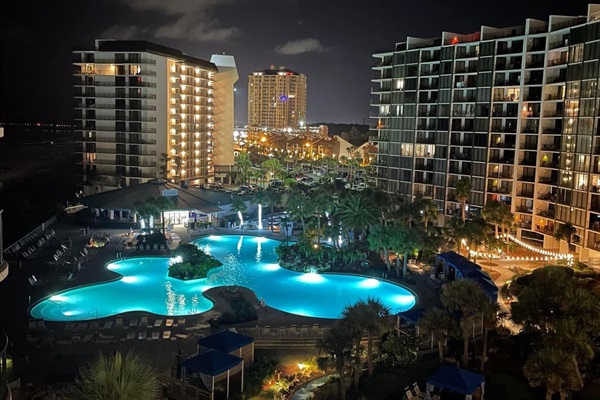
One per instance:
(195,263)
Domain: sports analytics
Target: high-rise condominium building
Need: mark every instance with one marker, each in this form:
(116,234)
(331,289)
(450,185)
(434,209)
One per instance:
(277,99)
(514,109)
(144,111)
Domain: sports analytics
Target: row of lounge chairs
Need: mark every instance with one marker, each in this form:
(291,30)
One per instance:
(119,323)
(303,331)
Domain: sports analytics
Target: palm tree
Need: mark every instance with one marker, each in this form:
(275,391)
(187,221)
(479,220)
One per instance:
(440,324)
(463,189)
(354,315)
(118,377)
(427,208)
(466,297)
(577,342)
(272,199)
(565,232)
(152,207)
(551,367)
(239,207)
(375,323)
(272,167)
(498,214)
(337,343)
(298,207)
(357,212)
(244,167)
(379,239)
(405,240)
(491,315)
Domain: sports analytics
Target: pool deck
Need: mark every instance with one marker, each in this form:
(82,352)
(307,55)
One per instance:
(65,346)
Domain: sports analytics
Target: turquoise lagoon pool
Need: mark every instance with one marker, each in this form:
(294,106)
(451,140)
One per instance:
(247,261)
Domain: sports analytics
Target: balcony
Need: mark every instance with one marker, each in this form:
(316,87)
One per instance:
(552,131)
(503,160)
(556,79)
(503,114)
(503,145)
(506,66)
(551,97)
(461,156)
(467,54)
(464,99)
(524,210)
(527,178)
(459,171)
(548,197)
(535,64)
(425,140)
(527,162)
(528,146)
(546,213)
(547,181)
(525,194)
(507,82)
(501,175)
(549,164)
(529,129)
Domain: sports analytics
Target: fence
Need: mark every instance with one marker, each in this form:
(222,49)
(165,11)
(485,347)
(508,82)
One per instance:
(14,248)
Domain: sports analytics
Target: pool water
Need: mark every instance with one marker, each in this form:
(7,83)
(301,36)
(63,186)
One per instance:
(247,261)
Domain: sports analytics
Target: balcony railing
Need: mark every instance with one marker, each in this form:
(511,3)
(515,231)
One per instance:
(524,209)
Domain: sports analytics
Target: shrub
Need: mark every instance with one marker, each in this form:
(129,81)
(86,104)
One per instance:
(194,263)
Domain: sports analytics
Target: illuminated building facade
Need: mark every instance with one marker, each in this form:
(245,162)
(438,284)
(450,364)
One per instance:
(513,109)
(277,99)
(144,111)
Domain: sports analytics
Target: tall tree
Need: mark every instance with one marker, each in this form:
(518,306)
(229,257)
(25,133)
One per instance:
(357,213)
(118,377)
(273,199)
(550,366)
(491,316)
(427,209)
(297,205)
(336,344)
(565,232)
(498,214)
(272,167)
(406,241)
(466,297)
(462,190)
(440,324)
(380,239)
(152,207)
(244,168)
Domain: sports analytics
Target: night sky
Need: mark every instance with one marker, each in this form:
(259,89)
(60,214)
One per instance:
(331,41)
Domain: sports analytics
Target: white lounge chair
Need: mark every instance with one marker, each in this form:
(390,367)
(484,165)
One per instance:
(166,335)
(181,323)
(142,335)
(169,321)
(144,321)
(107,325)
(133,323)
(119,322)
(155,335)
(130,335)
(158,323)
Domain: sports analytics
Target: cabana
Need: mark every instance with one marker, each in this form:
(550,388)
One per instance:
(411,316)
(214,366)
(457,380)
(456,267)
(229,342)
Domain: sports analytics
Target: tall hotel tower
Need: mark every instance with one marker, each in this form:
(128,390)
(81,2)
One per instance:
(145,111)
(514,109)
(277,99)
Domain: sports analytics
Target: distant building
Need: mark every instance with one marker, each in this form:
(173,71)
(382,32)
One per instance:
(512,109)
(277,99)
(144,111)
(15,131)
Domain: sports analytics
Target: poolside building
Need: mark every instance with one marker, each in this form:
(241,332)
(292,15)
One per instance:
(512,109)
(189,205)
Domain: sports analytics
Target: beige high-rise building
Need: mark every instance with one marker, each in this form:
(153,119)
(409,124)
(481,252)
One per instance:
(145,111)
(277,99)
